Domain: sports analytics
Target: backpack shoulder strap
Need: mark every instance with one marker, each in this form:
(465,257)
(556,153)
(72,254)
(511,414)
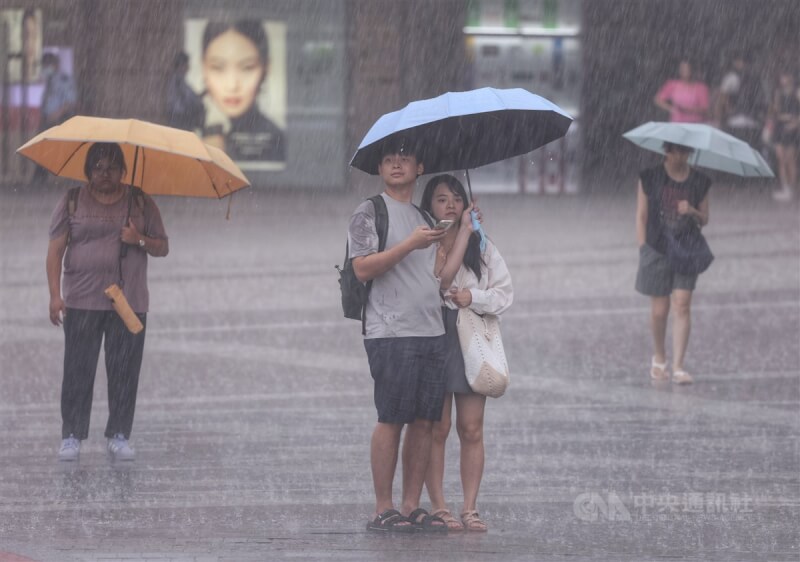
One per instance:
(382,228)
(72,200)
(72,206)
(425,216)
(381,220)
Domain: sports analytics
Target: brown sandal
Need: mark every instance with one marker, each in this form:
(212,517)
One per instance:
(472,522)
(452,523)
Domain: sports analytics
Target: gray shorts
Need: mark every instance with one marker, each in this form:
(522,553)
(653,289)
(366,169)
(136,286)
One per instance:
(409,377)
(655,277)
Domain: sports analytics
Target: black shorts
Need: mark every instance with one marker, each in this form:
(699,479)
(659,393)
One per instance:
(409,377)
(655,277)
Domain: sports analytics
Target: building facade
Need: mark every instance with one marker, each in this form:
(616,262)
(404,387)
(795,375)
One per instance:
(334,66)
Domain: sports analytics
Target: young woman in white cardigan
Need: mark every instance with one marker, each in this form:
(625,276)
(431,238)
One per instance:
(480,281)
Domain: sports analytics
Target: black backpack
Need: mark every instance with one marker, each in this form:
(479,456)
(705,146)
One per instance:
(354,292)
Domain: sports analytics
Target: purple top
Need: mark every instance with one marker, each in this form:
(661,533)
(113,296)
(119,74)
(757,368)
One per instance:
(91,262)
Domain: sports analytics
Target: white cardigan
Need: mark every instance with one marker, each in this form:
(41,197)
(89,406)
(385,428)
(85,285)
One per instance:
(493,294)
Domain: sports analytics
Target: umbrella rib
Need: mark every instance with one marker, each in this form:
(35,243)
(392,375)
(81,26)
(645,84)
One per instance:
(67,161)
(213,183)
(144,158)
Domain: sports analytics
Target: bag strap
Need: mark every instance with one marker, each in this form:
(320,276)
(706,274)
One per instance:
(382,228)
(425,216)
(72,206)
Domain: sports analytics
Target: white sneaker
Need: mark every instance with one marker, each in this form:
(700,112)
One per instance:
(784,195)
(119,449)
(70,449)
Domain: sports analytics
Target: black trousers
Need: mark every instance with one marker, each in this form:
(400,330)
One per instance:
(84,331)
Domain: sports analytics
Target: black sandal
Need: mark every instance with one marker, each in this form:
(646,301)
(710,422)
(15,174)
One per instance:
(429,523)
(391,520)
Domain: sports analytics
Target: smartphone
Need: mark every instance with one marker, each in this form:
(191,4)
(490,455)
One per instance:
(443,224)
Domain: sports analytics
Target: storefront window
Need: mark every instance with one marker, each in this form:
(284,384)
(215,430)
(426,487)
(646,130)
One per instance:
(535,45)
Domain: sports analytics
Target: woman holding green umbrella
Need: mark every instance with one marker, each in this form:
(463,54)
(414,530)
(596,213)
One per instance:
(671,197)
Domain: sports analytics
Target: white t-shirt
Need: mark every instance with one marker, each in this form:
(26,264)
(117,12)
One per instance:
(404,301)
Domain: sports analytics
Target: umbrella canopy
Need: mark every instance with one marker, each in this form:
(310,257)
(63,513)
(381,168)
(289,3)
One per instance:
(462,130)
(160,160)
(713,149)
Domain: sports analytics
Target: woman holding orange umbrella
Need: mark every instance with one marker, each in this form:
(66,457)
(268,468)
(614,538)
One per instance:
(89,227)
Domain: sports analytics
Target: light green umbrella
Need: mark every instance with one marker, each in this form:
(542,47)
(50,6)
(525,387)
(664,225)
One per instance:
(713,149)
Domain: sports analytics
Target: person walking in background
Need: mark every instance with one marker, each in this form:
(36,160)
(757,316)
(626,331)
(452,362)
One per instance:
(684,97)
(184,107)
(785,118)
(668,196)
(404,337)
(59,100)
(481,282)
(88,227)
(741,104)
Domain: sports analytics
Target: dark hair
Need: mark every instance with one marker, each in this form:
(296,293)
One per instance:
(251,29)
(100,150)
(688,61)
(399,145)
(670,146)
(50,58)
(472,256)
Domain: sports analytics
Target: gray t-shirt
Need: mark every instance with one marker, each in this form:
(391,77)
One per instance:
(404,301)
(91,262)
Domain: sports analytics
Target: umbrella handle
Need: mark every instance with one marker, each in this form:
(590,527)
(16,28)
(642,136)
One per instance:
(476,226)
(123,251)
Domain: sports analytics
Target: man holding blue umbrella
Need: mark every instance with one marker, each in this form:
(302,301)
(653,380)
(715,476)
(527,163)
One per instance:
(403,337)
(457,130)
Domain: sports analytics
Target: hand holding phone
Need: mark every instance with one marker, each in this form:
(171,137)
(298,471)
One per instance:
(443,224)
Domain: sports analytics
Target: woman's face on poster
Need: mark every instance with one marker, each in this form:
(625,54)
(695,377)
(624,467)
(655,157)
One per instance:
(233,72)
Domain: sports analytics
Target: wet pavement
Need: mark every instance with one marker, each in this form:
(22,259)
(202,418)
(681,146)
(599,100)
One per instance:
(255,403)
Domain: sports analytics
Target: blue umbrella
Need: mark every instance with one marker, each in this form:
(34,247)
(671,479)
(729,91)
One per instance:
(462,130)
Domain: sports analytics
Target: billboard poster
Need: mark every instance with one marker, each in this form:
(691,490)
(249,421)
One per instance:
(239,70)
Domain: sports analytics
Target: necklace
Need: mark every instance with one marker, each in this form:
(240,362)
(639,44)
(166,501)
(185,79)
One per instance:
(441,253)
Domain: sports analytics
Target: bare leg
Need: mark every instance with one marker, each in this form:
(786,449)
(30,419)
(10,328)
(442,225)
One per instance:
(383,456)
(787,171)
(780,153)
(681,325)
(469,423)
(791,166)
(416,454)
(435,476)
(658,324)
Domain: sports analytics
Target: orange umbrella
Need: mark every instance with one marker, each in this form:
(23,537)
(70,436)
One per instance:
(161,160)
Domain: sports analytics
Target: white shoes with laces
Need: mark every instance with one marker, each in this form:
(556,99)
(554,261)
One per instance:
(119,449)
(70,449)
